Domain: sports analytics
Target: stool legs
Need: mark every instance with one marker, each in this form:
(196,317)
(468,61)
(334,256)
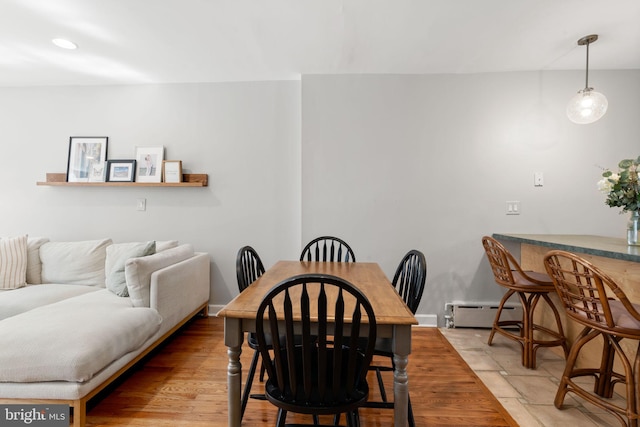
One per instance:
(605,377)
(566,384)
(527,327)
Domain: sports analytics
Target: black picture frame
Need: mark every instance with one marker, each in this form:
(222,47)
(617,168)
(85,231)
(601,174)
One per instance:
(121,170)
(87,158)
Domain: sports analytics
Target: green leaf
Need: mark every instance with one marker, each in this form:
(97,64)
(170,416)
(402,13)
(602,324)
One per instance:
(625,164)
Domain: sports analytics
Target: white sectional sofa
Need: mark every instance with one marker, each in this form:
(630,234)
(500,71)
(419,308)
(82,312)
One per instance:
(76,315)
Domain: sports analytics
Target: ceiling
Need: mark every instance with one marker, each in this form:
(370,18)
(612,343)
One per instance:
(170,41)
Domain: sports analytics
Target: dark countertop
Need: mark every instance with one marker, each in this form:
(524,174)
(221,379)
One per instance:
(608,247)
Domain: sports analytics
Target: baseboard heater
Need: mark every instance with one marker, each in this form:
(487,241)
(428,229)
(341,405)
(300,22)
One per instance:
(482,315)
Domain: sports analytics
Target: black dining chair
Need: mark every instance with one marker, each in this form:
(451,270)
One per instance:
(321,366)
(409,280)
(327,249)
(248,268)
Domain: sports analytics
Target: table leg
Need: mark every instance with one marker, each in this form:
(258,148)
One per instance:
(401,351)
(233,337)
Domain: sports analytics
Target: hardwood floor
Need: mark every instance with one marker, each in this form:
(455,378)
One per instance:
(184,384)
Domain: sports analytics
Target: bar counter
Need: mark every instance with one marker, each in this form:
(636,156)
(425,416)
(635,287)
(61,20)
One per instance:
(612,255)
(608,247)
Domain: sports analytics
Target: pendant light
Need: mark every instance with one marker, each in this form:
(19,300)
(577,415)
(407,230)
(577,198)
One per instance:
(588,105)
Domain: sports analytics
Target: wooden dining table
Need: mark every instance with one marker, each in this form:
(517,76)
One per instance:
(393,318)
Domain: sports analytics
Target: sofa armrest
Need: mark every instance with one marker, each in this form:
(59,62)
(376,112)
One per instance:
(179,289)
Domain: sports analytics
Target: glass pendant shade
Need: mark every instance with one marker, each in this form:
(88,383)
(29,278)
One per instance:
(587,106)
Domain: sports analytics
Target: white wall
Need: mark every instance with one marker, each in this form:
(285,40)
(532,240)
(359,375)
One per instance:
(387,162)
(396,162)
(245,136)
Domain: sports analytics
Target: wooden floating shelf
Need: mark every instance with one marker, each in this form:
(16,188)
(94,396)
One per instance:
(188,180)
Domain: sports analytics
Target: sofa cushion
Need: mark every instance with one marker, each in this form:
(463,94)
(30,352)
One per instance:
(18,301)
(13,262)
(78,263)
(34,265)
(163,245)
(72,340)
(138,271)
(117,255)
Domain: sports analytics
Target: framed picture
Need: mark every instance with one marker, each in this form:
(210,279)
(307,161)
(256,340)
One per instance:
(149,164)
(172,171)
(87,158)
(121,170)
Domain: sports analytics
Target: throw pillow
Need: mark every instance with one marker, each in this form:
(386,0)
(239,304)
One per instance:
(163,245)
(138,272)
(34,265)
(74,263)
(117,255)
(13,262)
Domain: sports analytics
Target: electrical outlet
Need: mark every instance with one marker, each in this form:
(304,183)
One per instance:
(141,204)
(513,207)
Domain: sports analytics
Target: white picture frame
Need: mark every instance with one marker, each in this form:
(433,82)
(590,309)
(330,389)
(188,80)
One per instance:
(149,163)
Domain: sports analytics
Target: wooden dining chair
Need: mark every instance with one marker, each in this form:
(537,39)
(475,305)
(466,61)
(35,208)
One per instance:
(249,267)
(530,287)
(593,300)
(321,366)
(327,249)
(409,280)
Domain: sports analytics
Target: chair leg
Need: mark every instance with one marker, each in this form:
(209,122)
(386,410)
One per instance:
(634,405)
(565,346)
(629,380)
(497,318)
(412,422)
(528,350)
(353,418)
(583,338)
(247,386)
(383,392)
(604,386)
(282,418)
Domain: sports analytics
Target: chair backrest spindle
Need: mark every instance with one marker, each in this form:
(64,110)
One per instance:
(410,277)
(327,249)
(248,267)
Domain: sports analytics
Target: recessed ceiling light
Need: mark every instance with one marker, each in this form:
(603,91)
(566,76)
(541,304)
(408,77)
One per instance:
(65,44)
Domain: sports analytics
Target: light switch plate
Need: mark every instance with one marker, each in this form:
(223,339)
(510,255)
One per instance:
(513,207)
(538,179)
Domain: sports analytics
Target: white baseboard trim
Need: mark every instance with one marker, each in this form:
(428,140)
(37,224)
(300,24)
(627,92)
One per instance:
(214,309)
(427,320)
(424,320)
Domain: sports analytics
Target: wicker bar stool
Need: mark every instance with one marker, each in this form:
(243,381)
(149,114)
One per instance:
(586,294)
(529,287)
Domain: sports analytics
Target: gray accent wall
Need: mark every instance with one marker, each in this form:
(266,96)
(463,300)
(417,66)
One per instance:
(387,162)
(395,162)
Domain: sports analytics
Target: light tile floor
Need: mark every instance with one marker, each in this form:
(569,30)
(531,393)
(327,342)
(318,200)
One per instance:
(527,394)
